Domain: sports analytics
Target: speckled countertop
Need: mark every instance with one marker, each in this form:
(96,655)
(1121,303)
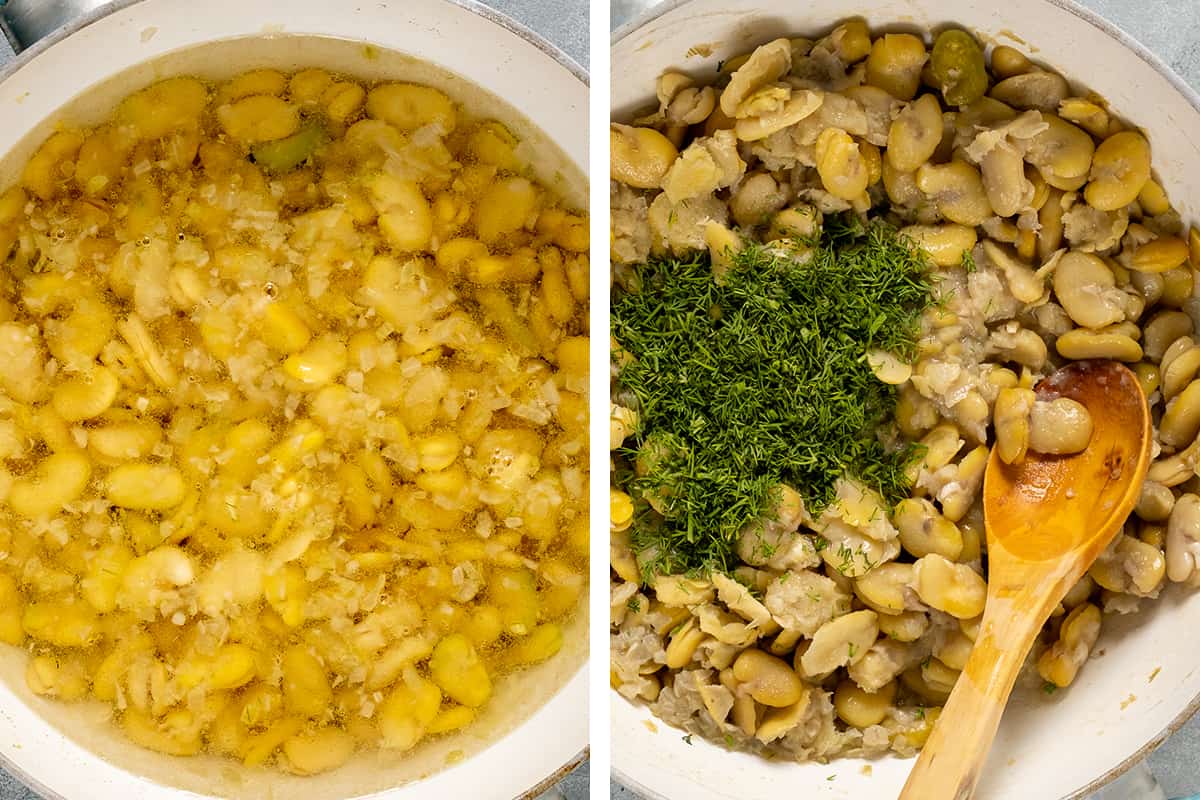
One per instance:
(1168,27)
(565,23)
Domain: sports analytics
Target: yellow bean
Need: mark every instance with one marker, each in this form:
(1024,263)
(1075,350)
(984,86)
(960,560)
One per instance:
(906,627)
(1181,420)
(1120,170)
(505,208)
(24,363)
(99,161)
(307,85)
(407,712)
(484,626)
(63,624)
(769,680)
(840,164)
(457,669)
(452,719)
(1153,199)
(1178,286)
(342,100)
(259,118)
(515,593)
(860,708)
(1160,255)
(232,666)
(318,364)
(1087,115)
(305,683)
(1082,344)
(11,611)
(885,588)
(1038,89)
(257,81)
(145,486)
(1059,427)
(639,157)
(438,451)
(63,678)
(286,591)
(1007,61)
(43,174)
(915,134)
(543,642)
(923,529)
(405,217)
(1011,421)
(58,480)
(1062,153)
(954,588)
(409,106)
(164,107)
(895,64)
(103,579)
(261,747)
(946,244)
(178,734)
(321,751)
(1061,662)
(492,143)
(957,190)
(283,329)
(147,578)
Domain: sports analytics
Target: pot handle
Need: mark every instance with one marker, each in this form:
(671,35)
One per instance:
(1136,784)
(26,21)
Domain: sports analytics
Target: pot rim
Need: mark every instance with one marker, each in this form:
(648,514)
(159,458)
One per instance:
(1189,94)
(475,6)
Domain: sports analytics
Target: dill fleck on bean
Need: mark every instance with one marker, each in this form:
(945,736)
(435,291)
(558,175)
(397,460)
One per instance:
(762,379)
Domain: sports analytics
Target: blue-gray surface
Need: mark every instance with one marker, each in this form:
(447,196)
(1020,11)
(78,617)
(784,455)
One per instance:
(563,22)
(1168,27)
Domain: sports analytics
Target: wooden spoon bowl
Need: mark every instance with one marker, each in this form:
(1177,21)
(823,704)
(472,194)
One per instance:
(1047,520)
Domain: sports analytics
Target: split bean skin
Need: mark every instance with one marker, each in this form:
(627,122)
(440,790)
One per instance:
(1052,238)
(293,416)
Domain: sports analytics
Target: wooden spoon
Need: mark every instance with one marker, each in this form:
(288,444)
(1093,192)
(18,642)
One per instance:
(1047,520)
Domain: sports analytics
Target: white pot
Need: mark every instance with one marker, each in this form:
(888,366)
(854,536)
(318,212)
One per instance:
(1143,681)
(535,728)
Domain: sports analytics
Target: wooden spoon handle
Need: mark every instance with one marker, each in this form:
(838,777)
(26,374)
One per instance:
(953,757)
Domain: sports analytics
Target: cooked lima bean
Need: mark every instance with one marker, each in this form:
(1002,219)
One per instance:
(293,414)
(1049,238)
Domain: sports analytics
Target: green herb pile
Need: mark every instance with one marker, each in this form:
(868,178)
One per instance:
(760,379)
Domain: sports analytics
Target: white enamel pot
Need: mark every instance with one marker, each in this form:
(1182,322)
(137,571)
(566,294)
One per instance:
(535,728)
(1143,681)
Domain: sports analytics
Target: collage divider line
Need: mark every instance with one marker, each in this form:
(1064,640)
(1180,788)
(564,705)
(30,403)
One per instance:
(599,709)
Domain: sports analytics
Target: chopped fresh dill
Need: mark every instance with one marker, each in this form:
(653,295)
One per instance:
(761,379)
(846,556)
(1049,688)
(633,604)
(968,261)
